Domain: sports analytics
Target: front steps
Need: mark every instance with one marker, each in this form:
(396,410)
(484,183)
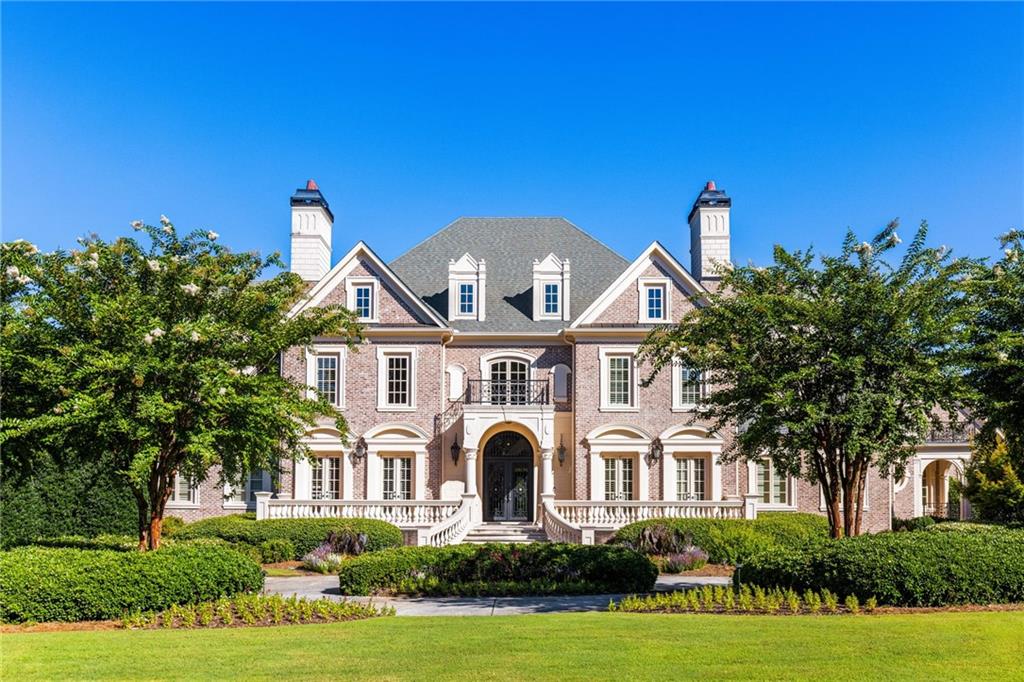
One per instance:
(505,532)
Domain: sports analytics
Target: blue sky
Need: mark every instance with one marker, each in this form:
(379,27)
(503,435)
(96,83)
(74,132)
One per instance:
(813,117)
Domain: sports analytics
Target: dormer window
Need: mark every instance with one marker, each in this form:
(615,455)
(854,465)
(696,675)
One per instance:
(467,292)
(551,288)
(362,297)
(655,302)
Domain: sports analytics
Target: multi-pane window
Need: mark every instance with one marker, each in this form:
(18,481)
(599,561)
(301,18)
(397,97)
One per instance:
(397,484)
(771,486)
(618,478)
(690,385)
(398,380)
(364,302)
(620,389)
(256,481)
(656,303)
(183,492)
(467,302)
(550,299)
(509,383)
(690,479)
(327,377)
(326,478)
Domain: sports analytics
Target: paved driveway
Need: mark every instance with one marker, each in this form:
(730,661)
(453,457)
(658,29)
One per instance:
(317,586)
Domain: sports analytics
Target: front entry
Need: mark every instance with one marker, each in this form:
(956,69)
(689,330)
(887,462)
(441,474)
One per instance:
(508,478)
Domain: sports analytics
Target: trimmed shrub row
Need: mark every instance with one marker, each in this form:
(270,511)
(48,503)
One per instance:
(729,541)
(499,569)
(303,534)
(933,568)
(65,584)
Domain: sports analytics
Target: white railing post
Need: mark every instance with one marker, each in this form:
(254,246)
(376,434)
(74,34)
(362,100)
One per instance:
(750,506)
(262,505)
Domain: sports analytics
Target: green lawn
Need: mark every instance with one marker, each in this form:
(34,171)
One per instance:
(942,646)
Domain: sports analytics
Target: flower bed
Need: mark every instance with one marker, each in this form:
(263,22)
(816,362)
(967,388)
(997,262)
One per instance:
(254,609)
(499,569)
(65,584)
(719,599)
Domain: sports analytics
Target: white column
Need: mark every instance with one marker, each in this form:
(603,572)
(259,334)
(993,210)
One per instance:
(373,476)
(547,486)
(917,483)
(302,474)
(262,505)
(643,484)
(716,477)
(669,492)
(750,505)
(420,467)
(471,471)
(596,476)
(348,477)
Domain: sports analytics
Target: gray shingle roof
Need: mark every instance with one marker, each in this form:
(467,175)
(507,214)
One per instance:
(509,245)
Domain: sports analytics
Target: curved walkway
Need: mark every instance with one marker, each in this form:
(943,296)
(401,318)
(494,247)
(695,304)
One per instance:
(317,586)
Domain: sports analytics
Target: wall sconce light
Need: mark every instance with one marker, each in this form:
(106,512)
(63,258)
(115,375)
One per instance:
(456,449)
(656,449)
(561,450)
(360,450)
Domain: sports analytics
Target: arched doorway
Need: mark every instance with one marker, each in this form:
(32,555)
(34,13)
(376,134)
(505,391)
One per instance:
(508,478)
(938,497)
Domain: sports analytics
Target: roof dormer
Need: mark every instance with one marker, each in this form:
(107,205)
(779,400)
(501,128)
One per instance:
(467,288)
(551,288)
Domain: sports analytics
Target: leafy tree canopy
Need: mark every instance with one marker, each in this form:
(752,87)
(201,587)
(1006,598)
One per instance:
(162,357)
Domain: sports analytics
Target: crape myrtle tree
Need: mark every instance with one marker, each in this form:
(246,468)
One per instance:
(994,481)
(159,357)
(829,366)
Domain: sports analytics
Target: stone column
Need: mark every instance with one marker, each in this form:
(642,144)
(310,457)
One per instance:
(547,484)
(471,471)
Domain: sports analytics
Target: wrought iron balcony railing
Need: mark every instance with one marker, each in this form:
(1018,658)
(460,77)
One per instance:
(508,392)
(950,432)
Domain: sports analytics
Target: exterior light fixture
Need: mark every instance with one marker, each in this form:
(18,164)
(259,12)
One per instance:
(656,449)
(456,449)
(561,450)
(360,450)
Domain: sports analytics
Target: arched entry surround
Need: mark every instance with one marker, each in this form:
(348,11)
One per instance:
(689,441)
(396,440)
(619,440)
(508,477)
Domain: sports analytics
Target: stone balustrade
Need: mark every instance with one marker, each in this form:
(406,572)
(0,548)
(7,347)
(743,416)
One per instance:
(610,514)
(402,513)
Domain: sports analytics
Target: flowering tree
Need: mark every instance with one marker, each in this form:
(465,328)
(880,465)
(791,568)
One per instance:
(160,359)
(829,368)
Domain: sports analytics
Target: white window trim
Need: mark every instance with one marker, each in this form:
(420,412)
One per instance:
(459,312)
(244,504)
(339,349)
(551,270)
(644,283)
(606,352)
(383,352)
(194,503)
(690,461)
(350,294)
(677,390)
(770,506)
(467,270)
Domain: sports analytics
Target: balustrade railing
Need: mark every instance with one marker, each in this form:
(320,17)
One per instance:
(614,514)
(950,432)
(507,392)
(943,510)
(556,528)
(402,513)
(452,530)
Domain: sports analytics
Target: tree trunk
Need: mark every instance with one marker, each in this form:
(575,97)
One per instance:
(143,509)
(156,524)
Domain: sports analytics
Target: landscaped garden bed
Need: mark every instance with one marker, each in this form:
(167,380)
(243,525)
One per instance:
(498,570)
(254,610)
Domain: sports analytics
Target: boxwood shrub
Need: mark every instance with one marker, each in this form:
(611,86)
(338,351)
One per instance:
(904,569)
(732,541)
(499,569)
(304,534)
(66,584)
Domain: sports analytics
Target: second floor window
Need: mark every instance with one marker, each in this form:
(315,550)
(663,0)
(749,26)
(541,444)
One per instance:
(620,380)
(467,302)
(327,377)
(690,386)
(551,299)
(655,303)
(397,483)
(398,380)
(364,302)
(618,478)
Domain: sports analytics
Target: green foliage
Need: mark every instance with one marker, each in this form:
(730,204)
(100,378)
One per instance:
(83,498)
(931,568)
(833,364)
(46,584)
(750,599)
(727,541)
(277,550)
(498,569)
(159,358)
(172,524)
(994,481)
(916,523)
(304,534)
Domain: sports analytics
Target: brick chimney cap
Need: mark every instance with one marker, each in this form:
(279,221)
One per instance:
(710,187)
(311,185)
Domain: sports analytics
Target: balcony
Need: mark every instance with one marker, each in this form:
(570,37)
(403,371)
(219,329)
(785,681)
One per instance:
(507,392)
(950,432)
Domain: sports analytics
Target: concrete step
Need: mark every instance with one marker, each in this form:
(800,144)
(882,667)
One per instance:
(505,532)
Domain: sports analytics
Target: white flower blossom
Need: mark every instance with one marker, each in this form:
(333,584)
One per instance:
(249,371)
(1011,254)
(154,265)
(24,279)
(168,229)
(157,332)
(194,336)
(212,236)
(222,391)
(148,338)
(136,224)
(164,220)
(190,289)
(95,256)
(864,247)
(942,250)
(1002,356)
(13,271)
(30,248)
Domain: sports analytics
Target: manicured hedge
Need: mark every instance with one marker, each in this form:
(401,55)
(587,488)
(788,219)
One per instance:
(304,534)
(904,569)
(499,569)
(49,584)
(728,541)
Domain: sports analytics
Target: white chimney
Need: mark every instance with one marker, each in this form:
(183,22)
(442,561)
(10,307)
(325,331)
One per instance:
(311,233)
(709,234)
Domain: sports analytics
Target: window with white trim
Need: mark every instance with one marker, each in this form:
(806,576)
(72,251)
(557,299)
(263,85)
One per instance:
(618,478)
(397,478)
(467,299)
(362,294)
(325,478)
(256,482)
(655,299)
(655,303)
(690,478)
(619,380)
(183,491)
(328,366)
(771,486)
(688,387)
(364,302)
(396,378)
(551,299)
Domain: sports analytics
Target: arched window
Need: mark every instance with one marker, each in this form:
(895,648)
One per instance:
(510,382)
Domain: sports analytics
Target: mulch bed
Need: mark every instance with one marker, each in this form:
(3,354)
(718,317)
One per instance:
(711,570)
